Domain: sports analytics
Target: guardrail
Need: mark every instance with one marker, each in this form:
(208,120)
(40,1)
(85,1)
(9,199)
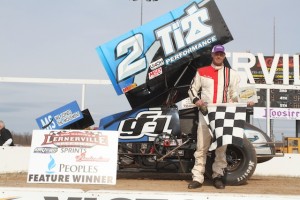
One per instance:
(16,159)
(85,82)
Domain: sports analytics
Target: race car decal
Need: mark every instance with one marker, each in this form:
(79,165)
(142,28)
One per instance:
(170,41)
(145,124)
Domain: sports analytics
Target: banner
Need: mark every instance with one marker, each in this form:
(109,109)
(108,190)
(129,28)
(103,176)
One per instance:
(277,113)
(143,56)
(60,117)
(73,157)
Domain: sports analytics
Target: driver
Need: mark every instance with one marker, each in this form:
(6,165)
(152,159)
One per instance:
(217,84)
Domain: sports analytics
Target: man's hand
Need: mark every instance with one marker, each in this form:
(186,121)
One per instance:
(250,103)
(202,106)
(200,103)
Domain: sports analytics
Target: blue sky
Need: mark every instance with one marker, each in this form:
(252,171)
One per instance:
(57,39)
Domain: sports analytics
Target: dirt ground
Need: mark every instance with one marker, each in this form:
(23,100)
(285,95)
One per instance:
(256,185)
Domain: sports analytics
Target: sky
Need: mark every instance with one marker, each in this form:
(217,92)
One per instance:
(58,39)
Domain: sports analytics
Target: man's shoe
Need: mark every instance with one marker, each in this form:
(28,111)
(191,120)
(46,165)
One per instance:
(218,183)
(194,185)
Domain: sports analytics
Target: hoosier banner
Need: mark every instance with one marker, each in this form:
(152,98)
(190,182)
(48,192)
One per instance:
(155,49)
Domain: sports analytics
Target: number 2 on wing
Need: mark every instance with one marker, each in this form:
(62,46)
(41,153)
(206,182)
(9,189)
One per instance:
(132,47)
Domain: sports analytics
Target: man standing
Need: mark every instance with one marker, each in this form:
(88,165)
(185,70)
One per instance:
(5,136)
(215,83)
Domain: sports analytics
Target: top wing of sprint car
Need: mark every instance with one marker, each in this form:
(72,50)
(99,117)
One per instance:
(146,63)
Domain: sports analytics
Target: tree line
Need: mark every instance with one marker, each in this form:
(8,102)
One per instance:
(21,139)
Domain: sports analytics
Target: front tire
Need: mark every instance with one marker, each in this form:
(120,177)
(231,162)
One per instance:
(241,163)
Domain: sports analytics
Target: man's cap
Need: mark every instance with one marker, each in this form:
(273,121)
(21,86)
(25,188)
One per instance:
(218,48)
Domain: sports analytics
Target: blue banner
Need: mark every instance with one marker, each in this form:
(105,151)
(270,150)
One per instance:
(60,117)
(148,52)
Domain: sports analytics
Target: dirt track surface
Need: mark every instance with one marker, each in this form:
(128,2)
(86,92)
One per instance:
(256,185)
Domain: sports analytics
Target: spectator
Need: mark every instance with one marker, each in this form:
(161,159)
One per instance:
(5,136)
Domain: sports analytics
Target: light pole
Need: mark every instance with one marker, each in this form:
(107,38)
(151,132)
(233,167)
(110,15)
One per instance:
(142,8)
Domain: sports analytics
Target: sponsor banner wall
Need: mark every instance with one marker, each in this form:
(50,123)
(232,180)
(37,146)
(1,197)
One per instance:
(73,157)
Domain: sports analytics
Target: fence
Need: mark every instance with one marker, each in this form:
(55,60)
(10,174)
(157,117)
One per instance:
(84,82)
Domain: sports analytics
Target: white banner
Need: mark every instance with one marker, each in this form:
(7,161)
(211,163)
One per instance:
(277,113)
(73,156)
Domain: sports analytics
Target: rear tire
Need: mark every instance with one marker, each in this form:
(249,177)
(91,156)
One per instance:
(241,163)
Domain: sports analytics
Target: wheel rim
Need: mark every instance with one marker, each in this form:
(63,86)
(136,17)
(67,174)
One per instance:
(234,157)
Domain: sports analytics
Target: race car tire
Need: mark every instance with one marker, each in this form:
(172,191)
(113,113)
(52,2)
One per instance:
(241,163)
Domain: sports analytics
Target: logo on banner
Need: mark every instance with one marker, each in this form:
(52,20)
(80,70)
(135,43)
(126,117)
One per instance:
(74,139)
(60,117)
(51,165)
